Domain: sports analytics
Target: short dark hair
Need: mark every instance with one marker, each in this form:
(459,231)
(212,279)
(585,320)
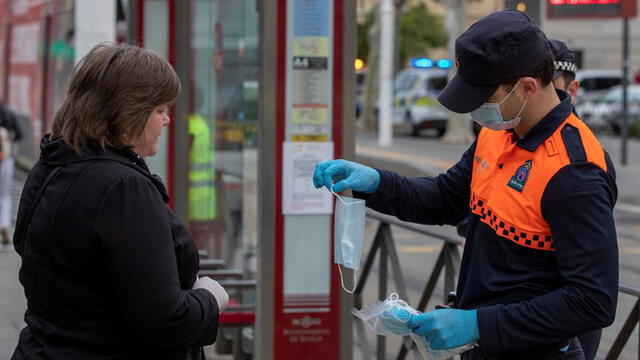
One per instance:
(568,77)
(543,72)
(112,91)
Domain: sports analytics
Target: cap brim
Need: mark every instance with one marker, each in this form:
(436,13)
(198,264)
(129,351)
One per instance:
(461,97)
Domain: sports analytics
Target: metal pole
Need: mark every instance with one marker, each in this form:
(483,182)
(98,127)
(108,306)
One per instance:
(7,57)
(268,75)
(387,29)
(452,266)
(625,83)
(45,69)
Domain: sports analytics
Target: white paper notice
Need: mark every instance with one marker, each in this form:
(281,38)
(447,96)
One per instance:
(299,196)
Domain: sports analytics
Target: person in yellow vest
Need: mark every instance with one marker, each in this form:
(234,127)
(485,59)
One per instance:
(202,191)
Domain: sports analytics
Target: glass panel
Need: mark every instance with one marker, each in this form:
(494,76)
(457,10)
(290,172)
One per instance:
(61,54)
(223,131)
(156,38)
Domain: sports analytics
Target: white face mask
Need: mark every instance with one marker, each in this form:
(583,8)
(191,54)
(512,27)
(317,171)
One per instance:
(348,235)
(489,115)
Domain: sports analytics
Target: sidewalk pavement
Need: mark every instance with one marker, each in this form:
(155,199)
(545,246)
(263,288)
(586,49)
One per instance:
(12,300)
(12,303)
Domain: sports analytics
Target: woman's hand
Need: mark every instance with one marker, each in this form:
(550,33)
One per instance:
(215,289)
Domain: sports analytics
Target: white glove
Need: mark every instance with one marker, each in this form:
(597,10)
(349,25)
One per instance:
(215,289)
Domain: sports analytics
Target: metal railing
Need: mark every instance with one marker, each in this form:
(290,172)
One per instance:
(630,324)
(448,260)
(234,337)
(384,248)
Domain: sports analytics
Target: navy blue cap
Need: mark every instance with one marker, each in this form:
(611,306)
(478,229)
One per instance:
(564,58)
(495,49)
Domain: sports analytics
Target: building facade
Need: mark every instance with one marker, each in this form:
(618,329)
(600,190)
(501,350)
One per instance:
(597,42)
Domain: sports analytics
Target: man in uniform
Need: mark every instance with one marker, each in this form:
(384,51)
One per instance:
(540,263)
(564,78)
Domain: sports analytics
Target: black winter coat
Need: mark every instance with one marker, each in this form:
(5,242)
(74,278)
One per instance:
(106,266)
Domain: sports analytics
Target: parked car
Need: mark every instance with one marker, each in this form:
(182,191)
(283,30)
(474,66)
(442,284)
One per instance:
(603,114)
(594,84)
(612,101)
(595,81)
(415,103)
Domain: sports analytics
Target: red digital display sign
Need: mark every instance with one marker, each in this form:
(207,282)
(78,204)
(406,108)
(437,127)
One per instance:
(557,9)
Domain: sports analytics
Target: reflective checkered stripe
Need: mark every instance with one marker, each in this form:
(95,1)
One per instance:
(507,230)
(566,66)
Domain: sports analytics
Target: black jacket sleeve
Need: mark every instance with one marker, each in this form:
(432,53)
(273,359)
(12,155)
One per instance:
(578,205)
(134,231)
(439,200)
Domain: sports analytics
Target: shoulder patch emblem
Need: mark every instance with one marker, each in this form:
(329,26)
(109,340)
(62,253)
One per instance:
(519,179)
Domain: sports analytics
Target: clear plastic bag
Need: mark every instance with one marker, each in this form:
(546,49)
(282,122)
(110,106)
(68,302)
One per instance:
(391,317)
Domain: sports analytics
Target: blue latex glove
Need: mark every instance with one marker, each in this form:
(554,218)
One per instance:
(446,328)
(396,320)
(347,175)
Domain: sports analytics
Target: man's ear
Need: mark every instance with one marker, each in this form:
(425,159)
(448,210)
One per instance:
(572,89)
(530,86)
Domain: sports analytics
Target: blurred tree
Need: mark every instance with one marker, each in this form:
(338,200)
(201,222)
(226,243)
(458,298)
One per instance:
(418,31)
(363,35)
(459,125)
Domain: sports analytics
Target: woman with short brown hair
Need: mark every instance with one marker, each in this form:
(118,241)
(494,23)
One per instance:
(108,270)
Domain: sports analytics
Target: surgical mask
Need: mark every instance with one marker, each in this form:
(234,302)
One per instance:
(348,237)
(489,115)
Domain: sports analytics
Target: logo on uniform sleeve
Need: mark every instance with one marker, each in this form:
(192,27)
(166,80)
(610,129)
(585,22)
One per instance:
(520,177)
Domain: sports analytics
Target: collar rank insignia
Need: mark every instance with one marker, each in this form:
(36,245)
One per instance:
(520,177)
